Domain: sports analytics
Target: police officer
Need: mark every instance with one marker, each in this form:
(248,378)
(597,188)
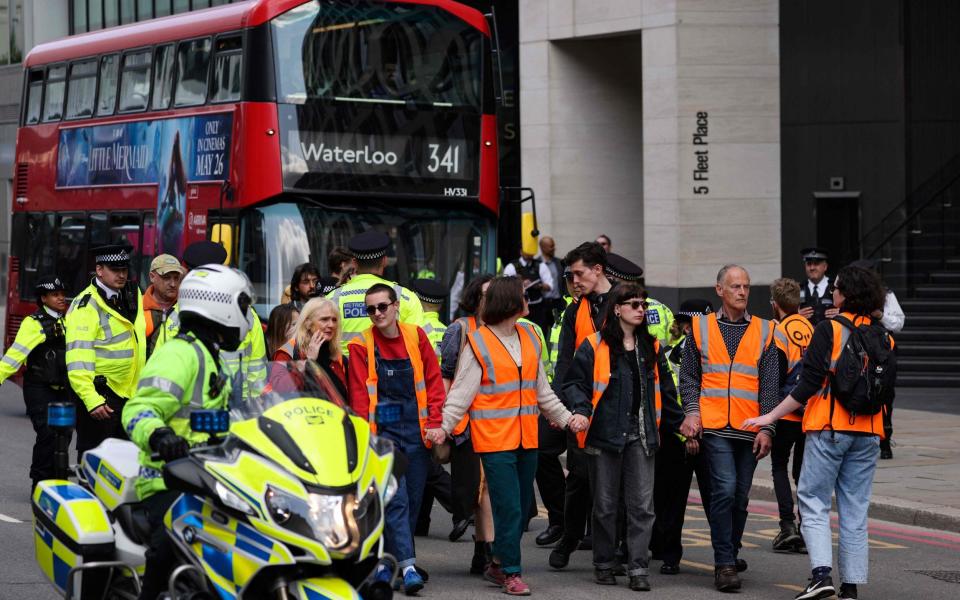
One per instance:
(431,294)
(185,373)
(370,254)
(41,345)
(816,293)
(659,317)
(537,281)
(106,346)
(249,359)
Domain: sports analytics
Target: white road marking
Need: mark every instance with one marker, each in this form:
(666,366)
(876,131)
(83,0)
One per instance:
(7,519)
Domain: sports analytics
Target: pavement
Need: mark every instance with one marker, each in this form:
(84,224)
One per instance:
(921,484)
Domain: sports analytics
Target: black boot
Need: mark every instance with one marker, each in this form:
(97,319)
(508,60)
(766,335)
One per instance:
(560,557)
(482,551)
(788,537)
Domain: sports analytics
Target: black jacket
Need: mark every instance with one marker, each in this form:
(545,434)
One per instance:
(610,426)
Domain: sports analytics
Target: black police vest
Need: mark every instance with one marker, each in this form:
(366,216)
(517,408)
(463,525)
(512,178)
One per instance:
(531,272)
(819,305)
(47,363)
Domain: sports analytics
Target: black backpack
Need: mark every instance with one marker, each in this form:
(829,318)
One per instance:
(866,370)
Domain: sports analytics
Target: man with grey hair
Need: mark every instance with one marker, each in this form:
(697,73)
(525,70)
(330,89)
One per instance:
(730,372)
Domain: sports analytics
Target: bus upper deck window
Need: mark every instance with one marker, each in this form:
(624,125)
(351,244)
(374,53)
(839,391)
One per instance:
(53,99)
(193,63)
(226,70)
(135,81)
(81,89)
(107,99)
(163,77)
(34,97)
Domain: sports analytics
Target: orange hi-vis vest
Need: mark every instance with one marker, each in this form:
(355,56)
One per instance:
(467,325)
(792,336)
(583,326)
(411,340)
(730,388)
(822,411)
(601,379)
(504,414)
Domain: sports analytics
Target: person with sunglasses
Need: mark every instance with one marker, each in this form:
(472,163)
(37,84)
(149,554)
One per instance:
(621,381)
(394,382)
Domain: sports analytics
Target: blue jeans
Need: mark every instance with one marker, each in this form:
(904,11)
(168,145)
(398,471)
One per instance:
(843,463)
(731,474)
(510,478)
(402,511)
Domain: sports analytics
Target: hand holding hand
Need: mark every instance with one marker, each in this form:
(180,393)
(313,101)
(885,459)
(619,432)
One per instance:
(102,413)
(762,445)
(692,446)
(578,423)
(435,435)
(690,426)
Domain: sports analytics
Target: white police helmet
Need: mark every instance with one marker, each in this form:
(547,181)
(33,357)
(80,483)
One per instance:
(220,294)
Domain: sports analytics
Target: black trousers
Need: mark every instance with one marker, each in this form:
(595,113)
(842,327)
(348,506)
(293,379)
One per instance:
(37,397)
(465,473)
(887,424)
(91,432)
(789,435)
(550,479)
(160,555)
(578,499)
(440,488)
(672,479)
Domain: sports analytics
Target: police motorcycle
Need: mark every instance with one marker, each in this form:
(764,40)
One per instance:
(286,501)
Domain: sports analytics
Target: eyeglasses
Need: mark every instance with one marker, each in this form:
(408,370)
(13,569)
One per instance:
(373,309)
(635,304)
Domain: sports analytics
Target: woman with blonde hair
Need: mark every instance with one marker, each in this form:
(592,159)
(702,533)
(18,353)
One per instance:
(317,338)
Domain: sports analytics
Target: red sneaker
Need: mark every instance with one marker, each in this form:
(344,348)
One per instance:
(494,574)
(514,586)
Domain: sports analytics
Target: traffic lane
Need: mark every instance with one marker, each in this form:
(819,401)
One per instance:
(20,578)
(906,562)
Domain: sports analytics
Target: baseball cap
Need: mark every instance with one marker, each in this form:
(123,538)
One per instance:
(166,263)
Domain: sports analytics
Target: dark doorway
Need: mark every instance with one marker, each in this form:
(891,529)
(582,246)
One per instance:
(838,226)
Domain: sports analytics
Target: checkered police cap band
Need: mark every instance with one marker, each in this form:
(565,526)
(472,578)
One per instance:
(114,257)
(429,299)
(370,255)
(50,286)
(621,275)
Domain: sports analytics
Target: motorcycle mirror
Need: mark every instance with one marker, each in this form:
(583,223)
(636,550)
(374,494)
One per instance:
(210,421)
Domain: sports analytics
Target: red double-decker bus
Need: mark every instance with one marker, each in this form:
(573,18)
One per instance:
(279,127)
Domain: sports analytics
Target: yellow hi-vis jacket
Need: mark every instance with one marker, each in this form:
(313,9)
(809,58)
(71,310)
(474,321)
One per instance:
(102,342)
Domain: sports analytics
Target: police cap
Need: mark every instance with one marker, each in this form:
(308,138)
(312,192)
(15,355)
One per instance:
(204,253)
(325,285)
(623,269)
(47,284)
(814,254)
(112,255)
(694,307)
(430,291)
(368,245)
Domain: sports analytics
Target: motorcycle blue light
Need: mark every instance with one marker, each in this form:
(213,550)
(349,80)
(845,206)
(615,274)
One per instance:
(210,421)
(62,414)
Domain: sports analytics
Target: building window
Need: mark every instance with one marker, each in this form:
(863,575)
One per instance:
(107,99)
(94,15)
(226,70)
(16,31)
(128,11)
(135,81)
(111,13)
(53,98)
(193,61)
(162,8)
(181,6)
(79,24)
(82,89)
(144,10)
(163,77)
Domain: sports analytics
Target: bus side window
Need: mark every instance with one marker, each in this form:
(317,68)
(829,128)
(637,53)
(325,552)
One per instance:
(226,70)
(53,99)
(163,77)
(72,251)
(81,89)
(135,81)
(193,63)
(34,97)
(107,100)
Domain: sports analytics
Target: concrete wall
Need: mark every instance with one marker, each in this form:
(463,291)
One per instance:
(715,58)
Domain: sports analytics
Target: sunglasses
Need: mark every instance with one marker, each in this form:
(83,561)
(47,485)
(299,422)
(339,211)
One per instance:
(635,304)
(373,309)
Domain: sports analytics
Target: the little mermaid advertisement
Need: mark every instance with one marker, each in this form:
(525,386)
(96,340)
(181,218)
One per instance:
(168,153)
